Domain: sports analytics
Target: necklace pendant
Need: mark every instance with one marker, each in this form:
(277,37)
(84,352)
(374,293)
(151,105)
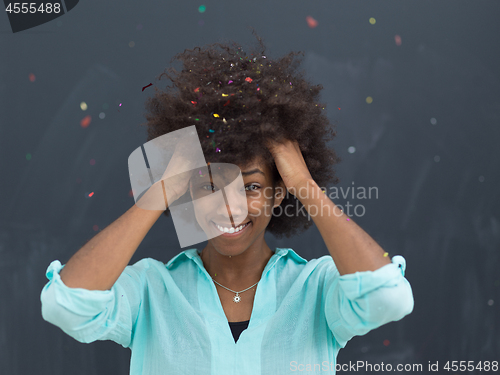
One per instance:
(237,298)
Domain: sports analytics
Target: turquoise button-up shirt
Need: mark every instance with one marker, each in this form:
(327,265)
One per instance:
(171,317)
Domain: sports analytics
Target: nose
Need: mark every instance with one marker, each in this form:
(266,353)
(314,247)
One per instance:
(236,205)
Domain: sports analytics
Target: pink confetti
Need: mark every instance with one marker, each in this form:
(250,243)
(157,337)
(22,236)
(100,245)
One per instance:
(85,121)
(347,219)
(230,82)
(91,194)
(217,149)
(397,39)
(311,22)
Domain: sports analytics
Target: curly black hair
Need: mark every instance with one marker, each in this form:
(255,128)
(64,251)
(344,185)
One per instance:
(237,101)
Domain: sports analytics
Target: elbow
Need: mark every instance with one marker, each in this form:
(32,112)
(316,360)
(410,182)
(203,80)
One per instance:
(56,313)
(398,302)
(392,304)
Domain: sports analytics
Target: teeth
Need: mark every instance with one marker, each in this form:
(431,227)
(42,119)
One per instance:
(230,230)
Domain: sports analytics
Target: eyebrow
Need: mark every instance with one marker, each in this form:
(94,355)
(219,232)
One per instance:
(252,172)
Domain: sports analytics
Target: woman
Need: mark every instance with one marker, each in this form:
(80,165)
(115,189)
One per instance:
(236,306)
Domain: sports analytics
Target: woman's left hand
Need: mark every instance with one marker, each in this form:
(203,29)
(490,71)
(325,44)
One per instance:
(290,163)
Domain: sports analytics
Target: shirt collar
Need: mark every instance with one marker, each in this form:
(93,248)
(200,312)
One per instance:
(194,254)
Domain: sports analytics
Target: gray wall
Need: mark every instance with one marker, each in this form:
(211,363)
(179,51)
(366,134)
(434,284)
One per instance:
(437,180)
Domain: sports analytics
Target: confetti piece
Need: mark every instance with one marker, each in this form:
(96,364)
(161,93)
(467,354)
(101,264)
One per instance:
(372,21)
(147,86)
(32,77)
(386,253)
(85,121)
(92,161)
(258,88)
(230,83)
(397,39)
(96,228)
(91,194)
(347,219)
(216,115)
(217,149)
(225,94)
(202,8)
(248,79)
(369,99)
(211,131)
(83,106)
(196,89)
(311,22)
(339,108)
(386,342)
(194,103)
(28,156)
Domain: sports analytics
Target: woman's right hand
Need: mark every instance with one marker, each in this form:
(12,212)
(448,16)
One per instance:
(174,181)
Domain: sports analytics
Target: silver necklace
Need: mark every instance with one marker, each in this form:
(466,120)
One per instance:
(236,298)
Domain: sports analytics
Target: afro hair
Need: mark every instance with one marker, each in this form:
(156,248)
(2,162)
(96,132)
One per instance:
(237,101)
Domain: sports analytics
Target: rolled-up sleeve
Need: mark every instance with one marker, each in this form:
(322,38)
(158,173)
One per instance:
(359,302)
(90,315)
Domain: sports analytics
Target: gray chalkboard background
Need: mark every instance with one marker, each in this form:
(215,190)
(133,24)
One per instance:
(429,142)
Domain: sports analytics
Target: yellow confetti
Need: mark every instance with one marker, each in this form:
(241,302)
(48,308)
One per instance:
(385,254)
(372,21)
(369,100)
(225,94)
(216,115)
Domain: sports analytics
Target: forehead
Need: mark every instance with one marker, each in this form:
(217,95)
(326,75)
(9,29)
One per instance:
(256,164)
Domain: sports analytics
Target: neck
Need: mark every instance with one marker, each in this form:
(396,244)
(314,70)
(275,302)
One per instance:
(237,271)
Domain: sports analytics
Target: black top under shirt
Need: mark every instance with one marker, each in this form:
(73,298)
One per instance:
(237,328)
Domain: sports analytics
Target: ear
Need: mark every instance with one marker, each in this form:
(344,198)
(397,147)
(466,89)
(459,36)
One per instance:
(279,193)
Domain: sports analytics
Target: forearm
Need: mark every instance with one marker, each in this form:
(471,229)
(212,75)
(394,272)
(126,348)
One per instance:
(352,249)
(99,263)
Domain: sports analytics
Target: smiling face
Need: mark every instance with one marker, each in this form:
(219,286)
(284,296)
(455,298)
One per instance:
(217,220)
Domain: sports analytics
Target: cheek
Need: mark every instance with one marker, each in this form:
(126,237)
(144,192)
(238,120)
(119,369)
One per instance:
(259,206)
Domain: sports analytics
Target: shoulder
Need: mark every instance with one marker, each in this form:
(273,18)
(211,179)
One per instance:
(146,267)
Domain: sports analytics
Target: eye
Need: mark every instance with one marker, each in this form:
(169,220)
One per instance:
(256,186)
